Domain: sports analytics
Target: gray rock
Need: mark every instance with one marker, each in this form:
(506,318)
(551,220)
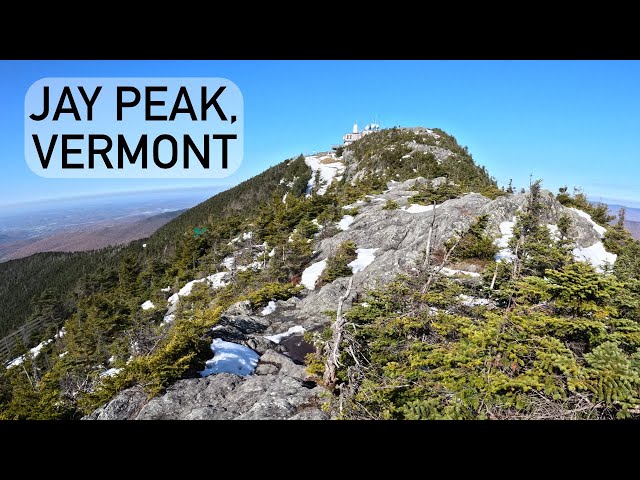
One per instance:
(124,406)
(242,308)
(244,323)
(259,344)
(279,389)
(401,238)
(439,153)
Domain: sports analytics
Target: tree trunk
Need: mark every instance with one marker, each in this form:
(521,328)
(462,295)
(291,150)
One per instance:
(333,347)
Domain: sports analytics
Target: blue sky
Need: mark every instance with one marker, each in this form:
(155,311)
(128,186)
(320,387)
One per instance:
(574,123)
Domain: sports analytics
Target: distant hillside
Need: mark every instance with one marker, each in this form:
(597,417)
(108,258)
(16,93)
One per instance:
(632,218)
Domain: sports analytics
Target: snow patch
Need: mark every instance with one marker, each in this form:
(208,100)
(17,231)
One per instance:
(217,279)
(596,255)
(228,262)
(230,357)
(112,372)
(601,230)
(269,309)
(281,336)
(312,273)
(252,265)
(472,301)
(502,242)
(452,272)
(554,233)
(147,305)
(328,171)
(35,351)
(415,208)
(186,290)
(166,289)
(366,256)
(345,222)
(284,197)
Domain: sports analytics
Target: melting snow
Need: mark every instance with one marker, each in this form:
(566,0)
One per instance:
(147,305)
(553,231)
(451,271)
(502,242)
(269,309)
(35,351)
(312,273)
(596,255)
(328,171)
(365,257)
(601,230)
(253,265)
(228,263)
(345,222)
(472,301)
(415,208)
(186,290)
(217,279)
(230,357)
(167,289)
(112,372)
(281,336)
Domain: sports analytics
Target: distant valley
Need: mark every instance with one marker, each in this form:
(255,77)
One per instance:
(82,224)
(92,237)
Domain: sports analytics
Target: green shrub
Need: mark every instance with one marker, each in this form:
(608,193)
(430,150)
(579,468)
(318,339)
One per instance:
(391,205)
(474,243)
(337,264)
(273,291)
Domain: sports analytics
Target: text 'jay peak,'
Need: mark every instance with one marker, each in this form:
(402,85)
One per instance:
(165,150)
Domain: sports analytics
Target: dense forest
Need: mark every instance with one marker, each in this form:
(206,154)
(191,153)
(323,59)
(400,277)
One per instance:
(550,338)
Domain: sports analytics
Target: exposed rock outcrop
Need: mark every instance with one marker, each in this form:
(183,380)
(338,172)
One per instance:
(280,388)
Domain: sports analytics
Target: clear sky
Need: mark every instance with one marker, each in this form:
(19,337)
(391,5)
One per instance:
(567,122)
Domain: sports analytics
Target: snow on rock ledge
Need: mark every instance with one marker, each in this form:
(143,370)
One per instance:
(312,273)
(366,256)
(415,208)
(328,171)
(600,229)
(147,305)
(230,357)
(596,255)
(269,309)
(281,336)
(345,222)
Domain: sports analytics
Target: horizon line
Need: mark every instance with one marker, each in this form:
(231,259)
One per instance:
(111,194)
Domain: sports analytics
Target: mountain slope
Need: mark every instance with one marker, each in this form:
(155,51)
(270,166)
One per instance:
(371,276)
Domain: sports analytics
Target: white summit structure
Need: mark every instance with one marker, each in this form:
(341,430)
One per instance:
(349,138)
